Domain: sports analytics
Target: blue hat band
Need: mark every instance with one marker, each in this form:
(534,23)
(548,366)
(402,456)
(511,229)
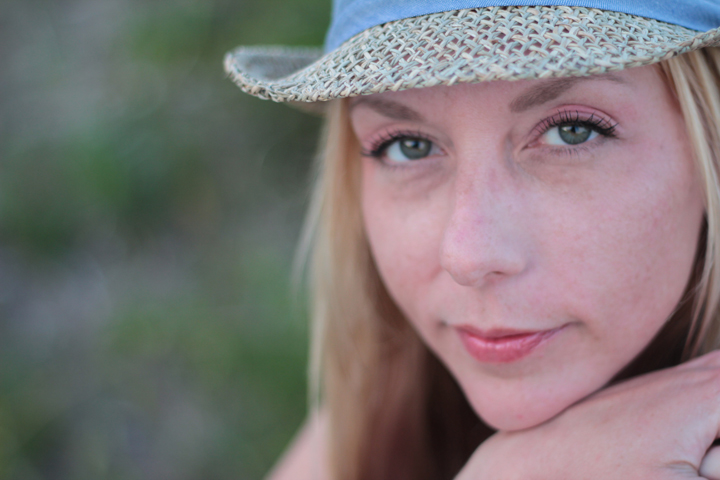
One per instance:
(351,17)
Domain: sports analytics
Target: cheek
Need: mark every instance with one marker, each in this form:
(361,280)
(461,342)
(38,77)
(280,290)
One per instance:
(632,246)
(404,235)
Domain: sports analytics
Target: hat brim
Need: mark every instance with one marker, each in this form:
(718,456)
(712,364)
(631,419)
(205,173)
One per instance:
(472,45)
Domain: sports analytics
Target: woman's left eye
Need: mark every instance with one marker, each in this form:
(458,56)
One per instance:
(569,134)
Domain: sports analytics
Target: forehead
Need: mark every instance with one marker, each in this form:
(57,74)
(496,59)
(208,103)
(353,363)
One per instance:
(517,96)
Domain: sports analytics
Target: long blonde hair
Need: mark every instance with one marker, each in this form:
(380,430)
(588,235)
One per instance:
(394,411)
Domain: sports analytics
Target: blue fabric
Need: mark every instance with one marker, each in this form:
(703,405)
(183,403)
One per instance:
(351,17)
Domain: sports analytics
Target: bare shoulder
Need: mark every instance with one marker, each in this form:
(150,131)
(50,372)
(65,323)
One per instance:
(306,456)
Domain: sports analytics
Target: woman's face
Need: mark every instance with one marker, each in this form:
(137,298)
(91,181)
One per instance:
(537,234)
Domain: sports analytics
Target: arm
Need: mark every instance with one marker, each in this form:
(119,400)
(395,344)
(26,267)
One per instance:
(657,426)
(306,457)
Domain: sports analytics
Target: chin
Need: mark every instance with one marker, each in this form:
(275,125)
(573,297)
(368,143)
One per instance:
(521,410)
(507,420)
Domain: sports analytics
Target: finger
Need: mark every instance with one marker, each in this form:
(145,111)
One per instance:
(710,466)
(710,359)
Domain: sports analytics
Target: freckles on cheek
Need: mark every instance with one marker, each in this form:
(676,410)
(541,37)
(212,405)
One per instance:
(403,240)
(642,243)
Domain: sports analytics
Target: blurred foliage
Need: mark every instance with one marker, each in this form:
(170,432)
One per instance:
(148,216)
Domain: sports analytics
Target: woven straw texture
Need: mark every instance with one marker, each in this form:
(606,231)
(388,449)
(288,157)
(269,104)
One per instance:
(473,45)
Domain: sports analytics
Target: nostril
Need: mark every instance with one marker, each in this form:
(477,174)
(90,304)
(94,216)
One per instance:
(476,272)
(458,265)
(475,258)
(468,270)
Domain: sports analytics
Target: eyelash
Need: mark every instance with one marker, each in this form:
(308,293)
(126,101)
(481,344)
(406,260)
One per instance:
(573,117)
(564,117)
(379,145)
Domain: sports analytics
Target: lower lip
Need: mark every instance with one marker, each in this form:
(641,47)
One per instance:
(505,349)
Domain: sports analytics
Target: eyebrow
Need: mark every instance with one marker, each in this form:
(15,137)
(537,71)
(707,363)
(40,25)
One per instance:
(533,97)
(548,91)
(388,108)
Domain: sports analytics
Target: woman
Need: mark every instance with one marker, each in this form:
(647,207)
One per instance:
(514,238)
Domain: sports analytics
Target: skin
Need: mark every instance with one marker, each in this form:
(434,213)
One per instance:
(657,426)
(500,227)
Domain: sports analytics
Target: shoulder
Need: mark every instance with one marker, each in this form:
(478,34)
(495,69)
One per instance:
(306,456)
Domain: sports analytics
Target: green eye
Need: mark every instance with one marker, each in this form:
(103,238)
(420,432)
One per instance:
(415,148)
(574,134)
(409,148)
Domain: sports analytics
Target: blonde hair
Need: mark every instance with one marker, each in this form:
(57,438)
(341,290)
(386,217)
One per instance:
(394,410)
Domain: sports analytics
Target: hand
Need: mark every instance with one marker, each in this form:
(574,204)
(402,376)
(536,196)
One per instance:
(710,467)
(657,426)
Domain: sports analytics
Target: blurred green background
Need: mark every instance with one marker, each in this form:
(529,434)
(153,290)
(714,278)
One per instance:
(148,216)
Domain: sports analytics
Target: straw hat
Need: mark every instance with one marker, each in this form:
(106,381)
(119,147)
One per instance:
(379,45)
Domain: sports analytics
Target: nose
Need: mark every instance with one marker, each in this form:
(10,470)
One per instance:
(485,237)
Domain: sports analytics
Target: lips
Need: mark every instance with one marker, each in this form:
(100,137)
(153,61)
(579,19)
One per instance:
(502,346)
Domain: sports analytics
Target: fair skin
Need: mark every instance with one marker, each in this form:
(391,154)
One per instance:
(537,235)
(504,226)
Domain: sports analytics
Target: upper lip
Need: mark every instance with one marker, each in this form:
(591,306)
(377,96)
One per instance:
(498,333)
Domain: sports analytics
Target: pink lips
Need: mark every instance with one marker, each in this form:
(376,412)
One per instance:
(501,346)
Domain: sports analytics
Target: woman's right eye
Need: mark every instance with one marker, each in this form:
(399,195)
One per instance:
(409,148)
